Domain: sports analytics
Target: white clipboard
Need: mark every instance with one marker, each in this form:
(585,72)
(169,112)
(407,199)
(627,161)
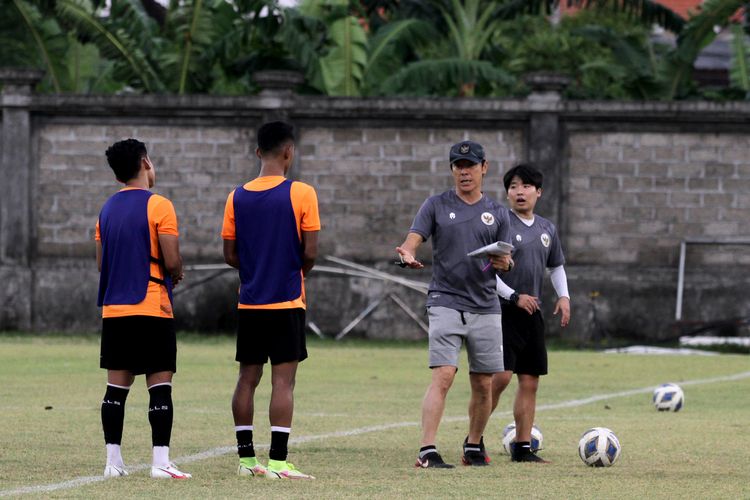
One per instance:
(497,248)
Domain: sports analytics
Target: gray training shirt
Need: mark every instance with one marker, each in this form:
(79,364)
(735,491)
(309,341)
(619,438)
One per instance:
(537,247)
(458,282)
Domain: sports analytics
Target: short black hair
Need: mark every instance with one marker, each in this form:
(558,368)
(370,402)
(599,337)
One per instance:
(125,158)
(527,173)
(271,135)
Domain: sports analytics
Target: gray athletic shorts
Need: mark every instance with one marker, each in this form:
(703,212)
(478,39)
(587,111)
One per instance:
(483,334)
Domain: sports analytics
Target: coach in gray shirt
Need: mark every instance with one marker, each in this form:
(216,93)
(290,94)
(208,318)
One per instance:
(462,303)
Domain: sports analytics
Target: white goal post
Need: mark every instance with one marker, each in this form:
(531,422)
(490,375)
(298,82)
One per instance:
(681,272)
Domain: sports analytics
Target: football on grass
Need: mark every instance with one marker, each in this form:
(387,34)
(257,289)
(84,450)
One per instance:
(599,447)
(668,397)
(509,437)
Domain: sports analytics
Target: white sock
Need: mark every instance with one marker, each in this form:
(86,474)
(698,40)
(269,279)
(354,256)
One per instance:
(114,456)
(161,456)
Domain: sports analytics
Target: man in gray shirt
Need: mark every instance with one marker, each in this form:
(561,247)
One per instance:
(462,304)
(537,248)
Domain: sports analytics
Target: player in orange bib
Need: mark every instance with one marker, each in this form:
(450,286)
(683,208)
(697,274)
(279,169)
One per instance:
(138,255)
(270,235)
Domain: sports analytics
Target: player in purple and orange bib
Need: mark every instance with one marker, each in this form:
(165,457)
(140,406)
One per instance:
(138,255)
(270,234)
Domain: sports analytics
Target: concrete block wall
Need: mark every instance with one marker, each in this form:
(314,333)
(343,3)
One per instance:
(627,182)
(371,181)
(196,167)
(634,197)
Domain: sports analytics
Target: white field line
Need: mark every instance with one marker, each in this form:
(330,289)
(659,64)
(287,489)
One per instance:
(224,450)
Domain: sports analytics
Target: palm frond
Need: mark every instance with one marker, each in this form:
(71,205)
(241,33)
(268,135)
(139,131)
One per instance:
(342,69)
(305,37)
(32,18)
(116,44)
(696,35)
(407,31)
(648,11)
(438,76)
(739,73)
(192,26)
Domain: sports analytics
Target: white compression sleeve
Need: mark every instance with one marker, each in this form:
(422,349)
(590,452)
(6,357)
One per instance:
(502,289)
(559,281)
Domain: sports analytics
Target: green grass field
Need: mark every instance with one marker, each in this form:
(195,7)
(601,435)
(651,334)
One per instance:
(357,426)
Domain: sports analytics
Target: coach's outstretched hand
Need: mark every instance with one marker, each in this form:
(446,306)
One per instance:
(408,259)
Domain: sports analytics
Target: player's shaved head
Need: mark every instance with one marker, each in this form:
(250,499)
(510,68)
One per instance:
(274,135)
(124,157)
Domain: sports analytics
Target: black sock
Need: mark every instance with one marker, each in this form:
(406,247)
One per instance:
(113,413)
(160,414)
(523,447)
(424,450)
(245,443)
(279,442)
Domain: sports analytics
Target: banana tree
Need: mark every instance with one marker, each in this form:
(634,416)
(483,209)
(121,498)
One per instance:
(452,59)
(462,53)
(30,36)
(350,59)
(150,53)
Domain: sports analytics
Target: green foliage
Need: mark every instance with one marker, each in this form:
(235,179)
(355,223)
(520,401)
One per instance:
(740,70)
(32,36)
(85,71)
(648,12)
(125,36)
(697,34)
(364,47)
(606,54)
(342,68)
(452,60)
(189,30)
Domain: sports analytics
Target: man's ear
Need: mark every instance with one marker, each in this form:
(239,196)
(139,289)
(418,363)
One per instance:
(257,153)
(539,192)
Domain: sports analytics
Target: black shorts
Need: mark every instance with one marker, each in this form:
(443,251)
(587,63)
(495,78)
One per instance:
(278,334)
(139,344)
(523,341)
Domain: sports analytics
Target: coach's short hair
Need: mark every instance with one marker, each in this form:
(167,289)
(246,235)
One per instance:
(274,134)
(124,157)
(527,173)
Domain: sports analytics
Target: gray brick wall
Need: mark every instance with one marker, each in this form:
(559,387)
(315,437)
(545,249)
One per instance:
(370,181)
(626,183)
(196,167)
(634,196)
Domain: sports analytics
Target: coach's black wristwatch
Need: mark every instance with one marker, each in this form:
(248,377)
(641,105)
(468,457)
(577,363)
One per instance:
(513,298)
